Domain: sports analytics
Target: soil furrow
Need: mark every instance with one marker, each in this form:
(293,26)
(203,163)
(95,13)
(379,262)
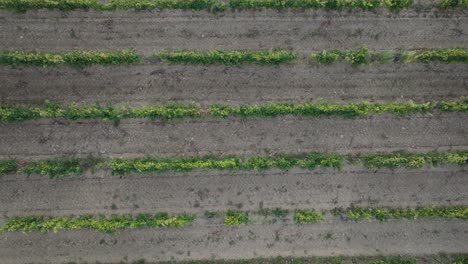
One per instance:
(195,192)
(138,85)
(232,136)
(210,240)
(304,31)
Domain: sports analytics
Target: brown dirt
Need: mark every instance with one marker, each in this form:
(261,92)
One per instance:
(304,31)
(248,84)
(197,191)
(232,136)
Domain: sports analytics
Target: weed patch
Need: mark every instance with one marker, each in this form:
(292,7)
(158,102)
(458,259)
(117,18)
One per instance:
(100,223)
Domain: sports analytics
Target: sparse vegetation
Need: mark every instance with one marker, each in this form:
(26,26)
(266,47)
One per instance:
(442,259)
(413,160)
(63,167)
(234,218)
(24,5)
(383,214)
(452,4)
(8,166)
(310,161)
(271,57)
(74,112)
(53,168)
(104,224)
(308,216)
(173,111)
(363,56)
(316,4)
(212,5)
(74,58)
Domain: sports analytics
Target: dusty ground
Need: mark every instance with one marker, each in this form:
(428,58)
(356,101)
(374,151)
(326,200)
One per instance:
(302,31)
(198,191)
(213,240)
(232,136)
(161,83)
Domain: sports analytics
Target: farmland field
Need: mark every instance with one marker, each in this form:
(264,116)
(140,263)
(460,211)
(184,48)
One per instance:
(191,130)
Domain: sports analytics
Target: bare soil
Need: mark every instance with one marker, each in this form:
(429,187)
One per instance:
(197,191)
(303,31)
(247,84)
(232,136)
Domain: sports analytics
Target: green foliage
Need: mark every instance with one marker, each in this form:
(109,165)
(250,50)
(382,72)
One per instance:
(361,56)
(326,56)
(458,55)
(53,168)
(8,166)
(319,108)
(45,224)
(171,111)
(413,160)
(212,5)
(308,216)
(311,161)
(75,58)
(61,168)
(234,218)
(74,112)
(276,212)
(358,57)
(383,214)
(315,4)
(451,4)
(271,57)
(455,105)
(24,5)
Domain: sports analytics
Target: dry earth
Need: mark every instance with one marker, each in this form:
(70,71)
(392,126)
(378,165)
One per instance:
(248,84)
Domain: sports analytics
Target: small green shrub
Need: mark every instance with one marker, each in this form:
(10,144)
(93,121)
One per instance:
(45,224)
(272,57)
(234,218)
(54,168)
(8,166)
(308,216)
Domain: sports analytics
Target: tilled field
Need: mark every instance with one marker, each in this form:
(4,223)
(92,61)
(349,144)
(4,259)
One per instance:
(210,194)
